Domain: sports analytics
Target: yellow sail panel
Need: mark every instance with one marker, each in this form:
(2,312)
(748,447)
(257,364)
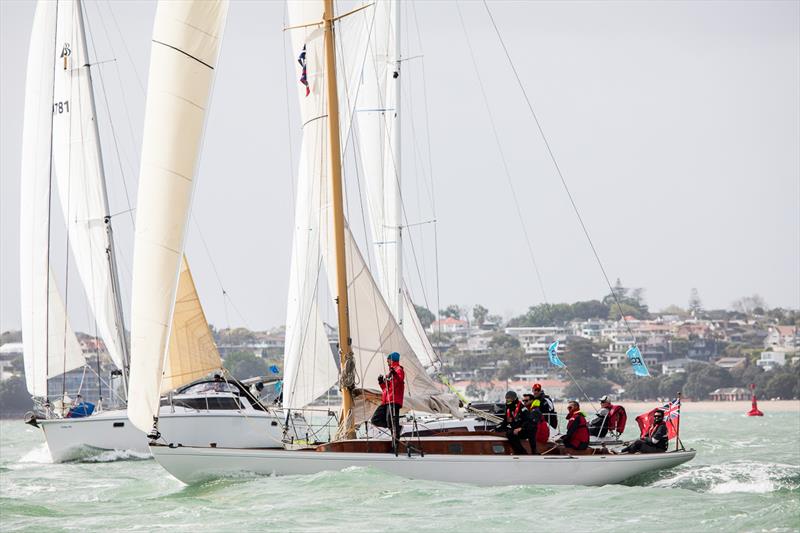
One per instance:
(192,352)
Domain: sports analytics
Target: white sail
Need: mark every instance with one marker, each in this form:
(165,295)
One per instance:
(378,121)
(49,343)
(186,42)
(374,330)
(78,168)
(378,126)
(192,352)
(310,367)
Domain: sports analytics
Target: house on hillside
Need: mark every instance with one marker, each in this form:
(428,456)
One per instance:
(448,325)
(729,363)
(730,394)
(784,337)
(770,360)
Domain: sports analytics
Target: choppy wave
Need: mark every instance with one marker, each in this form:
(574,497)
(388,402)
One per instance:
(736,476)
(38,455)
(108,456)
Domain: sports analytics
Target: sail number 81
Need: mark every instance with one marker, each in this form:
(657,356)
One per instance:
(61,107)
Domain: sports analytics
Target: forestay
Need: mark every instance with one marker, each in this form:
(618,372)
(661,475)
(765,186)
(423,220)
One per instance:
(186,42)
(49,343)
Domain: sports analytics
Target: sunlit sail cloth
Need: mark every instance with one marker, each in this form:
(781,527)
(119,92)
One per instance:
(186,41)
(49,343)
(78,168)
(374,330)
(192,352)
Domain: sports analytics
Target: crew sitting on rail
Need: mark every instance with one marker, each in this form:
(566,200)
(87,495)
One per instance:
(545,405)
(516,424)
(655,439)
(387,415)
(609,418)
(577,436)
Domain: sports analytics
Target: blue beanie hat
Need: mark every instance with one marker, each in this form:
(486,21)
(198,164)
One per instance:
(394,356)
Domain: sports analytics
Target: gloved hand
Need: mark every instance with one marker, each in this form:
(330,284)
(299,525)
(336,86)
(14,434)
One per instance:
(381,379)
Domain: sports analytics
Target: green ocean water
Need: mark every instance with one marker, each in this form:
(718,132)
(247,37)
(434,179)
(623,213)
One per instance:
(746,477)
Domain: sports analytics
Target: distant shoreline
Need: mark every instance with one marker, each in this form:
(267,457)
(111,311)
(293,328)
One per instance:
(766,406)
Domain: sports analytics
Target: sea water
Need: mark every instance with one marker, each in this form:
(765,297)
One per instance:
(746,477)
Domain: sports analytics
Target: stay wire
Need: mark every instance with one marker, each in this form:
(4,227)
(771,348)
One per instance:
(506,170)
(558,169)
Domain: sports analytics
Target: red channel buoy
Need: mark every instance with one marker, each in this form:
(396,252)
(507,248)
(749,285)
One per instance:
(754,410)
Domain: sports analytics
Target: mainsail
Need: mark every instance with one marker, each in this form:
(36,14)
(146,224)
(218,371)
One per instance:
(78,167)
(374,330)
(186,42)
(49,343)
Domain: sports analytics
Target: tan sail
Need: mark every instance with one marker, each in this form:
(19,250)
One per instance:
(192,352)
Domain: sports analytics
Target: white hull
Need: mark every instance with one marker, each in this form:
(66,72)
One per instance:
(71,439)
(192,464)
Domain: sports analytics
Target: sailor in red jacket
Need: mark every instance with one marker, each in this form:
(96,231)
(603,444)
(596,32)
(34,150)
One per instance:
(577,436)
(387,415)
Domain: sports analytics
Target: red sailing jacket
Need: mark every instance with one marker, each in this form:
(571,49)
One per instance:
(542,431)
(394,385)
(577,433)
(617,418)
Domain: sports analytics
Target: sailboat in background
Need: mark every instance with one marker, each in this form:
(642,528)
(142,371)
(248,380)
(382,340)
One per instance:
(61,155)
(61,140)
(368,329)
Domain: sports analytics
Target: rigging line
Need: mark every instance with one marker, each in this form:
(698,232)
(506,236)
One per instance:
(108,110)
(506,170)
(134,140)
(431,172)
(288,113)
(225,296)
(125,47)
(558,170)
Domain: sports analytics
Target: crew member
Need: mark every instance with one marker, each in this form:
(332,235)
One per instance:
(516,424)
(545,405)
(598,426)
(654,440)
(577,436)
(387,415)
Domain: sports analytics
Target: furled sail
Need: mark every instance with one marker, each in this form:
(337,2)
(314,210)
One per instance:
(378,119)
(374,330)
(192,352)
(78,167)
(49,343)
(186,42)
(310,366)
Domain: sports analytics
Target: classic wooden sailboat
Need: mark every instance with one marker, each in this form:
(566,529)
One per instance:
(322,237)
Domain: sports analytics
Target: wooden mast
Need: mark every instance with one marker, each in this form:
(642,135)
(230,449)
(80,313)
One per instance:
(346,426)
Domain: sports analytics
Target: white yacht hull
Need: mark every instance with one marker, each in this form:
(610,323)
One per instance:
(71,439)
(193,464)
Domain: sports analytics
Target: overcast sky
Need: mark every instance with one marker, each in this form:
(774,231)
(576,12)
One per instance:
(676,126)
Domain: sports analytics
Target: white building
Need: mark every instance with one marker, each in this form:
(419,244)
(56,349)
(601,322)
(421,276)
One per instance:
(535,340)
(770,360)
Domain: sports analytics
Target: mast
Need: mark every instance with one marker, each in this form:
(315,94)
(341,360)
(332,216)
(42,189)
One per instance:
(110,250)
(346,426)
(395,140)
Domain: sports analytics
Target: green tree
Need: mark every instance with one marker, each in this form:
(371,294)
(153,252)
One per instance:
(670,386)
(642,388)
(579,359)
(479,313)
(704,379)
(616,375)
(782,386)
(451,311)
(502,341)
(14,397)
(426,317)
(243,365)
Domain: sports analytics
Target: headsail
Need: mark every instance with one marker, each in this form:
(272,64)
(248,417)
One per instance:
(186,42)
(49,343)
(78,167)
(192,352)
